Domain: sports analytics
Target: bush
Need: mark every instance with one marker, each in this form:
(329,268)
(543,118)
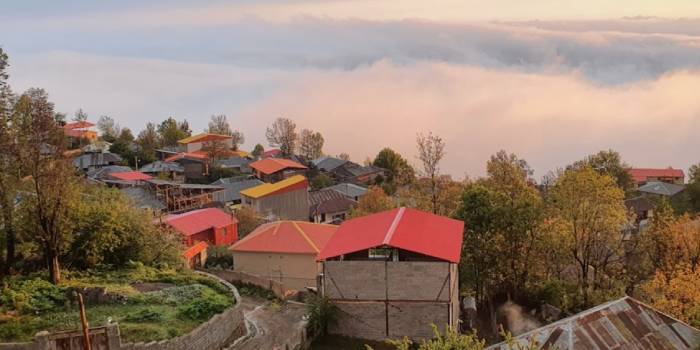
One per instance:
(219,257)
(322,313)
(33,296)
(144,315)
(202,309)
(175,295)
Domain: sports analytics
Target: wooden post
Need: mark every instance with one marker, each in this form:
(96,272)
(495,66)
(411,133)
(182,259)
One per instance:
(84,323)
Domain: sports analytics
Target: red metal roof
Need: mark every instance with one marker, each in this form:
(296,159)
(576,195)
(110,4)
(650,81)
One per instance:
(78,125)
(641,174)
(192,251)
(196,221)
(273,165)
(197,155)
(130,176)
(296,237)
(271,153)
(403,228)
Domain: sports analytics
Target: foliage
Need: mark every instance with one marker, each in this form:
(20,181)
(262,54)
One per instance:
(32,296)
(144,315)
(608,163)
(122,146)
(676,294)
(220,257)
(203,308)
(219,125)
(440,195)
(147,142)
(310,144)
(400,172)
(109,128)
(251,290)
(257,150)
(344,156)
(321,181)
(451,340)
(589,211)
(282,133)
(170,131)
(80,115)
(248,221)
(322,314)
(374,201)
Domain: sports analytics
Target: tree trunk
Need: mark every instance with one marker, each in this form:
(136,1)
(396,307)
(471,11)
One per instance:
(10,238)
(54,267)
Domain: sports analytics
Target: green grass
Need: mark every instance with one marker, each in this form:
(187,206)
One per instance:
(155,315)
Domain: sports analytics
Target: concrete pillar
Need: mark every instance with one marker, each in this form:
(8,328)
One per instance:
(41,341)
(113,338)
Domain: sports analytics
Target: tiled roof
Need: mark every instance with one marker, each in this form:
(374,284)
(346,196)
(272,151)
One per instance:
(204,137)
(621,324)
(404,228)
(641,174)
(268,189)
(661,188)
(273,165)
(329,201)
(296,237)
(195,221)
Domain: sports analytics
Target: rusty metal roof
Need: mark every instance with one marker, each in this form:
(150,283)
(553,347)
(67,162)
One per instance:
(621,324)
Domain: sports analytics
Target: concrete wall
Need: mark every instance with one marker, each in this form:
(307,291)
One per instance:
(379,300)
(295,271)
(280,290)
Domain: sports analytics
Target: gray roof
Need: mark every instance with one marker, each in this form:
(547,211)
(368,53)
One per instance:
(233,162)
(661,188)
(327,163)
(160,166)
(89,160)
(327,201)
(621,324)
(232,189)
(102,173)
(142,198)
(349,190)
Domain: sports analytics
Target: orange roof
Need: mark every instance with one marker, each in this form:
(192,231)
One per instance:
(196,221)
(272,165)
(199,155)
(204,138)
(642,174)
(293,183)
(192,251)
(295,237)
(78,125)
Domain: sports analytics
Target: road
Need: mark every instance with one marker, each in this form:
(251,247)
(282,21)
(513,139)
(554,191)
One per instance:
(270,325)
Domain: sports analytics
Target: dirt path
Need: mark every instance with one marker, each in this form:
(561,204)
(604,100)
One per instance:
(270,326)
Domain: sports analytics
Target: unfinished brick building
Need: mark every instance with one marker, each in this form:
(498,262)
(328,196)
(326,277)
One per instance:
(393,274)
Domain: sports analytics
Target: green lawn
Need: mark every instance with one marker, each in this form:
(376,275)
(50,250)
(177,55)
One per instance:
(173,304)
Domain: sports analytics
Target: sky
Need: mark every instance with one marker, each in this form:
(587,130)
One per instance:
(549,80)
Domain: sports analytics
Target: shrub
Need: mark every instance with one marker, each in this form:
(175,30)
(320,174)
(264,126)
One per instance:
(202,309)
(322,313)
(33,296)
(144,315)
(175,295)
(219,257)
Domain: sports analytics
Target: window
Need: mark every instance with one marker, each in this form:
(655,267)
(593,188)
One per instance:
(379,253)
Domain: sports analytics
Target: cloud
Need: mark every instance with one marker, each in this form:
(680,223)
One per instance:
(551,120)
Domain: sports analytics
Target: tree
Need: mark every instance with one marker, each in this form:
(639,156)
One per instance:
(694,173)
(452,340)
(400,172)
(609,163)
(237,139)
(321,181)
(283,134)
(431,150)
(109,128)
(80,116)
(676,294)
(258,150)
(248,221)
(219,125)
(419,194)
(170,131)
(344,156)
(147,142)
(9,180)
(310,144)
(374,201)
(122,146)
(592,212)
(52,194)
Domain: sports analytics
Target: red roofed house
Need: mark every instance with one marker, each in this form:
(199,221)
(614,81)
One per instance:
(641,176)
(284,251)
(211,226)
(273,153)
(80,130)
(393,274)
(276,169)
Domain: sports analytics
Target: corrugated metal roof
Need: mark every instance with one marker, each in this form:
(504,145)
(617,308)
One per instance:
(329,201)
(273,165)
(327,163)
(349,190)
(641,174)
(232,190)
(268,189)
(130,176)
(195,221)
(295,237)
(661,188)
(404,228)
(160,166)
(621,324)
(204,137)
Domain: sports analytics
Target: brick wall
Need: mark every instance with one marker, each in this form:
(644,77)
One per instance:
(279,289)
(417,280)
(366,320)
(414,319)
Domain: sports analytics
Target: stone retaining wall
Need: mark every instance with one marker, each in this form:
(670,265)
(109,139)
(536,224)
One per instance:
(277,288)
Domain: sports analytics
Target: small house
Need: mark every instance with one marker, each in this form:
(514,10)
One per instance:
(393,274)
(90,161)
(201,141)
(284,200)
(276,169)
(356,173)
(329,206)
(641,176)
(283,251)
